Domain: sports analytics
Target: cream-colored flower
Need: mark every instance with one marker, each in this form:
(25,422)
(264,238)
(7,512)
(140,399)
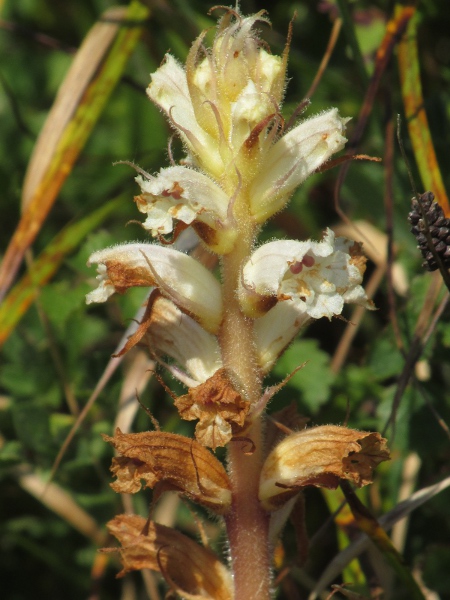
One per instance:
(225,93)
(178,276)
(225,106)
(172,333)
(191,197)
(295,156)
(314,278)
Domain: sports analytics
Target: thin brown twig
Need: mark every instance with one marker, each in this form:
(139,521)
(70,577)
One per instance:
(326,57)
(388,206)
(53,348)
(394,31)
(320,71)
(351,330)
(424,329)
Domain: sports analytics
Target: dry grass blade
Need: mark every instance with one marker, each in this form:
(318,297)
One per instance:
(425,155)
(81,73)
(44,267)
(61,503)
(81,101)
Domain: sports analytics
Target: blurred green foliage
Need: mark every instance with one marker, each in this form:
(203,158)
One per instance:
(61,343)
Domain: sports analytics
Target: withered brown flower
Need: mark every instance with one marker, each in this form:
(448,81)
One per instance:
(170,462)
(221,410)
(319,456)
(190,570)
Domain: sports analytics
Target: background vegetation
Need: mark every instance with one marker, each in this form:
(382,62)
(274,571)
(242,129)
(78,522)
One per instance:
(55,349)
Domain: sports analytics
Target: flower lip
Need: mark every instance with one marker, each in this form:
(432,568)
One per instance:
(317,278)
(180,193)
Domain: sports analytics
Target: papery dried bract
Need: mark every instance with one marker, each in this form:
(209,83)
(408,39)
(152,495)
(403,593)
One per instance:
(190,570)
(319,456)
(171,461)
(219,408)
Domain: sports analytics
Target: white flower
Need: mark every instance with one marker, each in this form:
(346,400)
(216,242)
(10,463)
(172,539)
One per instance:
(178,276)
(275,331)
(175,334)
(295,156)
(314,278)
(169,90)
(190,197)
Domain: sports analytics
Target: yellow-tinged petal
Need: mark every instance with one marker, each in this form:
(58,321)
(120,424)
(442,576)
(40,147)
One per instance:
(292,159)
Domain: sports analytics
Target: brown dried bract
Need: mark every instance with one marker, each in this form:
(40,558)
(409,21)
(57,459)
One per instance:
(358,258)
(172,462)
(319,456)
(221,410)
(190,570)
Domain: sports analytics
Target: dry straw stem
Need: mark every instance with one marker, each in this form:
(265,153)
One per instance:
(360,544)
(61,503)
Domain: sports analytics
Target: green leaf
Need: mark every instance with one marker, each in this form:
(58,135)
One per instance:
(32,426)
(315,379)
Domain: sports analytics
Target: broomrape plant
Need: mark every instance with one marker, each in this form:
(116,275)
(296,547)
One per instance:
(241,168)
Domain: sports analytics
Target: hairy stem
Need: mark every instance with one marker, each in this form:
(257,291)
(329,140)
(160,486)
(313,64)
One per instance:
(247,524)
